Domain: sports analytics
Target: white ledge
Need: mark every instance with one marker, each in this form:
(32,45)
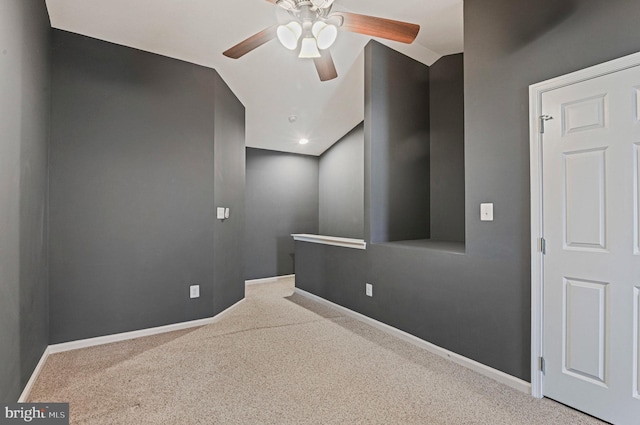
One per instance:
(331,240)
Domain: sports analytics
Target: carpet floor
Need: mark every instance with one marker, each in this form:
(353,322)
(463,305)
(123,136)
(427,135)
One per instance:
(280,358)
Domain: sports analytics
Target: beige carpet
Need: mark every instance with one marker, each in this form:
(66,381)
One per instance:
(280,358)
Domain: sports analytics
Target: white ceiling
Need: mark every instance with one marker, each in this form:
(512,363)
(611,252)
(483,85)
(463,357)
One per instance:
(270,81)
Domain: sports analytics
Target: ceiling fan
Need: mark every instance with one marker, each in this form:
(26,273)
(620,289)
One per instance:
(318,27)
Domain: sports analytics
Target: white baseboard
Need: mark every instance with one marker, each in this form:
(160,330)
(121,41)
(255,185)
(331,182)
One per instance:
(268,279)
(482,369)
(27,388)
(107,339)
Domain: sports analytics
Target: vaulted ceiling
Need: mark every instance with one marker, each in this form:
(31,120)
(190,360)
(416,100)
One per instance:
(270,81)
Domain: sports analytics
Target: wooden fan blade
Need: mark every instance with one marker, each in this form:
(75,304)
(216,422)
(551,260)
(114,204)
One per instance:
(403,32)
(325,66)
(251,43)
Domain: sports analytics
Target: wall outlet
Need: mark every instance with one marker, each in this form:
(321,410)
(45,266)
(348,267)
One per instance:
(194,291)
(368,289)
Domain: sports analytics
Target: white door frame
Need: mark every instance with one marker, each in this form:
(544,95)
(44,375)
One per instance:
(535,139)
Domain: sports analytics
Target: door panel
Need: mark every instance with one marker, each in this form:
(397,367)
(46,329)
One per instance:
(585,329)
(636,342)
(584,114)
(584,189)
(636,194)
(591,224)
(636,100)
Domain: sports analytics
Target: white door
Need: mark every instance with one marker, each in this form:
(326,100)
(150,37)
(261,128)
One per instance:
(591,151)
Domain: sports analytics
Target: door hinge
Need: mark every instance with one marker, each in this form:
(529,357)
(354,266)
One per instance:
(544,118)
(542,365)
(543,246)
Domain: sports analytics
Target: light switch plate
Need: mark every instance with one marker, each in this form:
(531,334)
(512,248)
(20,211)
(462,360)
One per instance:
(194,291)
(486,212)
(368,289)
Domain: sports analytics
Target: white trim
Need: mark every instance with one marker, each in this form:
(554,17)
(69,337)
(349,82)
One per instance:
(537,296)
(480,368)
(34,376)
(108,339)
(330,240)
(268,279)
(537,226)
(92,342)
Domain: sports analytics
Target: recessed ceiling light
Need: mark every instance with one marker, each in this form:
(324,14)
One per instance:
(303,141)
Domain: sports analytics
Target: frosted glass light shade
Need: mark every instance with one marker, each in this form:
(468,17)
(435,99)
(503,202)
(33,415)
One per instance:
(325,34)
(289,34)
(309,48)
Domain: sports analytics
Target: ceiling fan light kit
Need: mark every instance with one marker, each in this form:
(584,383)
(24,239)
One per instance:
(289,34)
(318,27)
(309,49)
(325,34)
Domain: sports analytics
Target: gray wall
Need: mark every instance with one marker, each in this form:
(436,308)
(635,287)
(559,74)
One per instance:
(446,86)
(342,187)
(468,304)
(510,45)
(132,183)
(288,193)
(281,199)
(24,122)
(228,190)
(398,201)
(478,304)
